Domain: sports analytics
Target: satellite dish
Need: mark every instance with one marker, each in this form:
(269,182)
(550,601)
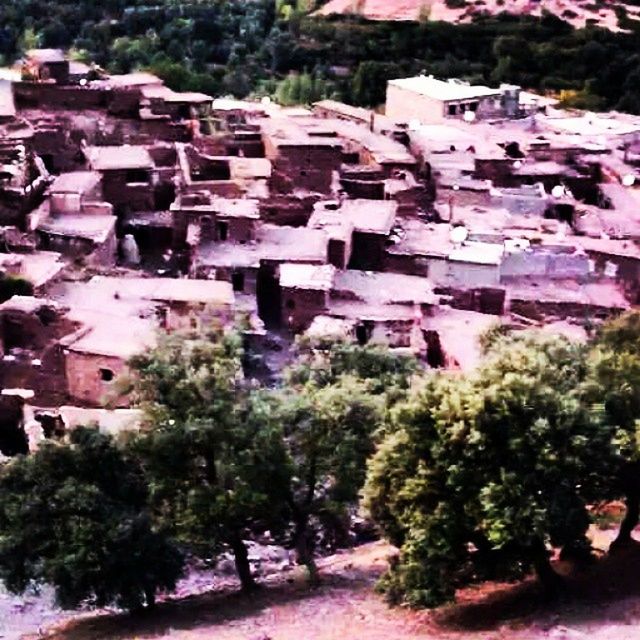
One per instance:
(469,116)
(83,82)
(628,180)
(414,124)
(266,101)
(517,164)
(557,191)
(459,235)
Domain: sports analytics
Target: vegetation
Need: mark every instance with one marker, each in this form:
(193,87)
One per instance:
(76,517)
(473,477)
(215,460)
(275,48)
(479,474)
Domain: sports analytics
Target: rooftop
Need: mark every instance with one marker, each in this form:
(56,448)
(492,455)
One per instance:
(91,226)
(443,90)
(114,158)
(370,216)
(130,80)
(43,56)
(307,276)
(75,182)
(278,244)
(384,288)
(38,267)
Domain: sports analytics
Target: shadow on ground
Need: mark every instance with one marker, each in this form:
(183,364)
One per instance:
(610,579)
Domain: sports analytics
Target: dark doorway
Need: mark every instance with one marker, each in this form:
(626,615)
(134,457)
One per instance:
(13,439)
(364,330)
(269,296)
(223,230)
(435,354)
(237,281)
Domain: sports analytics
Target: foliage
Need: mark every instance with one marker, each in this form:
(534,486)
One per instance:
(76,517)
(324,361)
(329,432)
(218,469)
(480,473)
(237,46)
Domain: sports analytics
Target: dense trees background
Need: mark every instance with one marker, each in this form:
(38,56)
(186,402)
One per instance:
(269,47)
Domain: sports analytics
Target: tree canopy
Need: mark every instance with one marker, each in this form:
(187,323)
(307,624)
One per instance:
(480,474)
(76,517)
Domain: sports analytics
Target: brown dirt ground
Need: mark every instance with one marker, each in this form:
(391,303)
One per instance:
(601,603)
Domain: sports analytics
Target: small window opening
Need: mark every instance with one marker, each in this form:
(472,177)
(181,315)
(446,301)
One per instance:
(106,375)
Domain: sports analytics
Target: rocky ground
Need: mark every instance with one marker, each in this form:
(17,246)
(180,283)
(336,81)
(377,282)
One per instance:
(579,13)
(602,603)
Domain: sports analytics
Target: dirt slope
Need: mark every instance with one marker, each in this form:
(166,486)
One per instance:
(601,604)
(577,12)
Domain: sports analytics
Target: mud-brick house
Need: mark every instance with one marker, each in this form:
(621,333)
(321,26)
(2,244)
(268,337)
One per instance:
(75,221)
(304,293)
(120,318)
(217,219)
(301,161)
(339,230)
(46,65)
(128,176)
(30,330)
(372,222)
(97,355)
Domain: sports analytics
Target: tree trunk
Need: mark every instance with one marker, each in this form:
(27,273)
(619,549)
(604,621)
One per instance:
(551,582)
(631,518)
(241,558)
(304,548)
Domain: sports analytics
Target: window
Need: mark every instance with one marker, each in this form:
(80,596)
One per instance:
(453,109)
(106,375)
(473,106)
(137,176)
(223,231)
(237,281)
(291,305)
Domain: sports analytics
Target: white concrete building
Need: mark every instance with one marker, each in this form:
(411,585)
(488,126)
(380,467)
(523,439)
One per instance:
(432,101)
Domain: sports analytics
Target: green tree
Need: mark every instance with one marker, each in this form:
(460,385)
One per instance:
(615,362)
(329,431)
(479,475)
(75,516)
(219,471)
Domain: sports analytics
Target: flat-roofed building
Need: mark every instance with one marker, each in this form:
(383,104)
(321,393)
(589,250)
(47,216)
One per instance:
(431,101)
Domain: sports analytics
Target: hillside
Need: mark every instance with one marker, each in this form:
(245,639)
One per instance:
(579,13)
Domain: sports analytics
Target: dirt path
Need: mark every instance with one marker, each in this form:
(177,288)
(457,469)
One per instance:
(604,605)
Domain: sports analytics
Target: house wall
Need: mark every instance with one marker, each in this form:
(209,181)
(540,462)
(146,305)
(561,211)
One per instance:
(471,274)
(84,381)
(404,105)
(132,196)
(338,253)
(301,306)
(303,166)
(51,96)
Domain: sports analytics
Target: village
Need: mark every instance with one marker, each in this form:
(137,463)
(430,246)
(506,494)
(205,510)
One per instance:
(128,209)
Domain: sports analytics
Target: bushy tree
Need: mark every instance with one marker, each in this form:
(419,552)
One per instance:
(219,471)
(479,475)
(329,432)
(615,362)
(75,516)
